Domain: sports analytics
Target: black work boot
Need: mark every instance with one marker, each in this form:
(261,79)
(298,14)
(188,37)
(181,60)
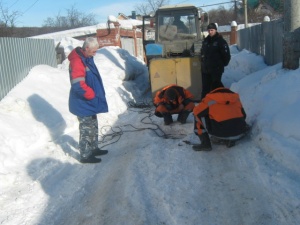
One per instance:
(168,118)
(98,151)
(182,116)
(91,159)
(205,143)
(230,143)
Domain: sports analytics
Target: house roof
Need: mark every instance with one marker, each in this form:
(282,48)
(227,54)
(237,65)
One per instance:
(121,16)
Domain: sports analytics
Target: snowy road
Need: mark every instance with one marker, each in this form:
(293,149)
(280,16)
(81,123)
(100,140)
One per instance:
(168,183)
(147,179)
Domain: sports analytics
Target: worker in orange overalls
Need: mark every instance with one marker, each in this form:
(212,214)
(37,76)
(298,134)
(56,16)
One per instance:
(220,114)
(171,100)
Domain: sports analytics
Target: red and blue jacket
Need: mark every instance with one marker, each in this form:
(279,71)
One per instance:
(87,94)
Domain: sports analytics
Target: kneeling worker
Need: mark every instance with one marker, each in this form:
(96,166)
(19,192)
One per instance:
(171,100)
(220,114)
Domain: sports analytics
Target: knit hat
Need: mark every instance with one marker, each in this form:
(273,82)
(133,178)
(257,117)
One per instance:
(170,94)
(212,26)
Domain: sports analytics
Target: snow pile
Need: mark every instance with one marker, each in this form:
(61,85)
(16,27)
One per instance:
(150,175)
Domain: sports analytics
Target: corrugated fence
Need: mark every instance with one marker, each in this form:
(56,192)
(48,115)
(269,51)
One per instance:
(19,55)
(264,39)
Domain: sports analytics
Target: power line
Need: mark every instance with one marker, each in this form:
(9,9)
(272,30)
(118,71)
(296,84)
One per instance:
(13,4)
(182,2)
(30,6)
(221,3)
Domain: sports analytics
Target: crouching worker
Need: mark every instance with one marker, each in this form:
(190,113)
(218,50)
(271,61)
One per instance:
(221,115)
(171,100)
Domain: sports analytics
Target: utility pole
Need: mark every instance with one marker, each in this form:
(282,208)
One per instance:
(291,38)
(245,13)
(235,9)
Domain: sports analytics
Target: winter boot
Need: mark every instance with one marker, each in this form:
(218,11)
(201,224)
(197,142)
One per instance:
(205,143)
(182,116)
(98,151)
(91,159)
(230,143)
(167,118)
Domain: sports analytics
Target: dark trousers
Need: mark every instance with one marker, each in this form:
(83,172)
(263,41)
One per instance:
(207,80)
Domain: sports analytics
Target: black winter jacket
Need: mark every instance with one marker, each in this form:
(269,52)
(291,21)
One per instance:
(215,54)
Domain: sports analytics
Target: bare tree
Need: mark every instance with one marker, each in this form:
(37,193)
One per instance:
(221,16)
(8,18)
(258,10)
(73,19)
(150,6)
(278,5)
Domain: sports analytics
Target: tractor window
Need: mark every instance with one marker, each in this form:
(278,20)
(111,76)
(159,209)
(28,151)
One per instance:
(175,26)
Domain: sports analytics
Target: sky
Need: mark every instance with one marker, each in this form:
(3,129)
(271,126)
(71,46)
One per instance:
(35,12)
(151,175)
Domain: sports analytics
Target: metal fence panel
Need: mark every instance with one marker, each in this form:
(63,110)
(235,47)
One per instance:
(278,31)
(19,55)
(264,39)
(268,44)
(128,44)
(140,48)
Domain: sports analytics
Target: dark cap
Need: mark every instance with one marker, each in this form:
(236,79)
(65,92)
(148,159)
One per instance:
(170,94)
(212,26)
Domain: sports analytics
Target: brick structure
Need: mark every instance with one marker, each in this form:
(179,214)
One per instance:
(233,33)
(109,36)
(112,36)
(230,36)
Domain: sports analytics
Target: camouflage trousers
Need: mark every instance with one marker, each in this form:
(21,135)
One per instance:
(88,135)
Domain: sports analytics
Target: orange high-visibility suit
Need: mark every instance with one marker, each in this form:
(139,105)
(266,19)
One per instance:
(181,103)
(223,114)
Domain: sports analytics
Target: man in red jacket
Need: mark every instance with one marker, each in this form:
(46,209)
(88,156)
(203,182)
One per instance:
(171,100)
(87,98)
(221,115)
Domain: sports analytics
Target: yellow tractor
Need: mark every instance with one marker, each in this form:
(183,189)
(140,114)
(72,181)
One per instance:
(172,41)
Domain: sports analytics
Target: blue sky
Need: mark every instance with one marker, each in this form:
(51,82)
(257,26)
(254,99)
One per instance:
(36,11)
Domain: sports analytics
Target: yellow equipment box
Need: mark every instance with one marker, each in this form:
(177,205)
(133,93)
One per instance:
(182,71)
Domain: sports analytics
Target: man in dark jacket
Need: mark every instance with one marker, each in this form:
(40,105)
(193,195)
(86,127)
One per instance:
(173,99)
(215,55)
(87,98)
(220,114)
